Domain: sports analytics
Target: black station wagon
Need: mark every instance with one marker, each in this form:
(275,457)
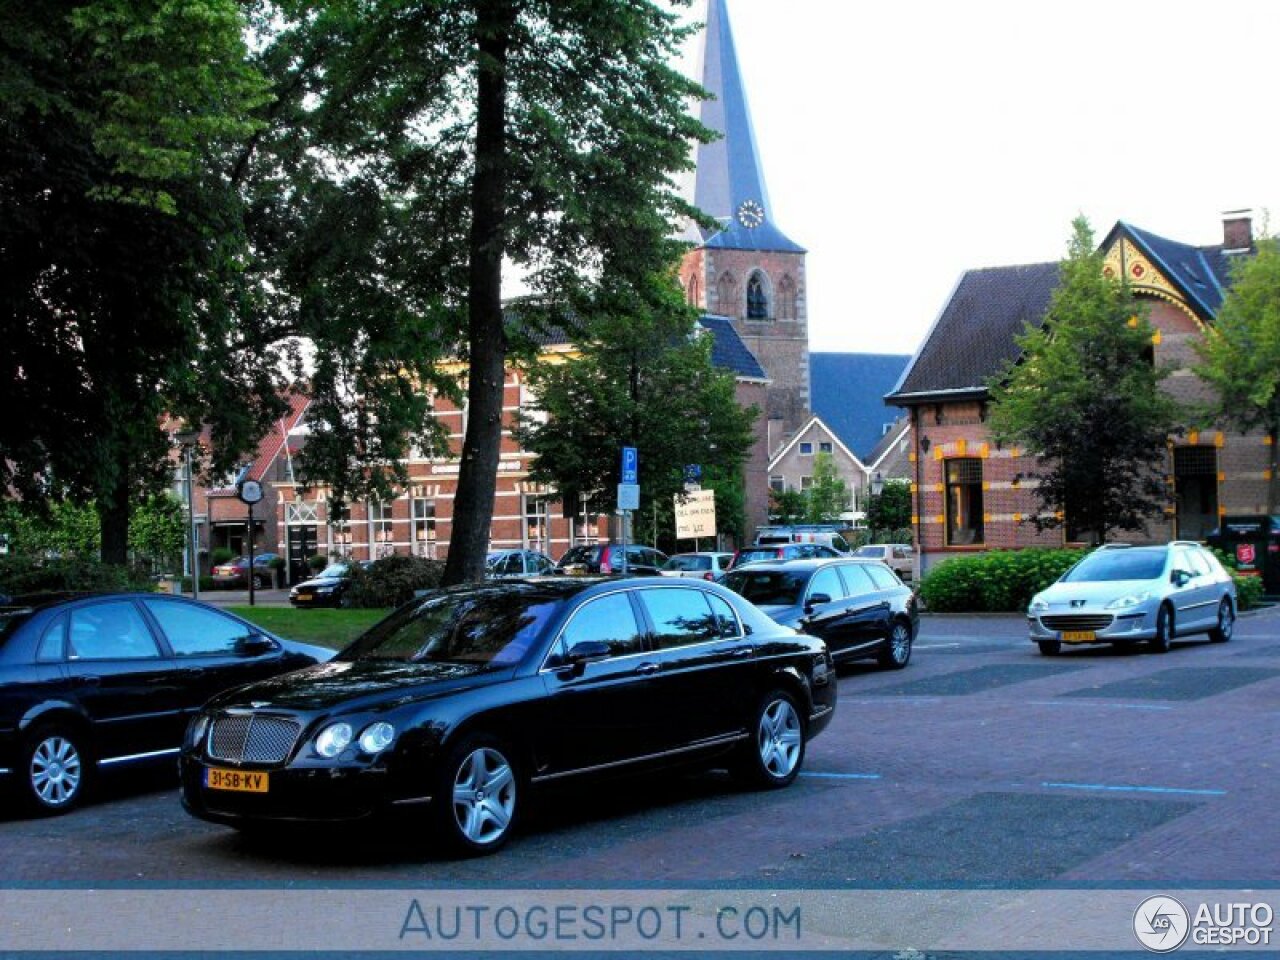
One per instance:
(459,702)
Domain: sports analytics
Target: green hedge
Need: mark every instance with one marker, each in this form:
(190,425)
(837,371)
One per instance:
(996,581)
(26,574)
(391,581)
(1248,591)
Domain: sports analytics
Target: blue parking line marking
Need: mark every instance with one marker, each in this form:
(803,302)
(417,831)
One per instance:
(839,776)
(1133,789)
(1095,703)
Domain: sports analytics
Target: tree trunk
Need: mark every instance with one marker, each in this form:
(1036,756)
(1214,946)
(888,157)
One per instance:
(113,517)
(486,337)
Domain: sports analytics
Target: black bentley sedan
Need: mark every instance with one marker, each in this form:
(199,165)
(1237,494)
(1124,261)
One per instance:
(91,682)
(859,607)
(459,702)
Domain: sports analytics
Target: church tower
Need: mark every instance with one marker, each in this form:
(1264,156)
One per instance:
(746,268)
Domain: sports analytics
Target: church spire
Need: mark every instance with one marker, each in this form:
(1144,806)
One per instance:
(729,182)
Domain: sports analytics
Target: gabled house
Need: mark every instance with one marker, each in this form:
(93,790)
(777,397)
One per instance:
(791,468)
(969,491)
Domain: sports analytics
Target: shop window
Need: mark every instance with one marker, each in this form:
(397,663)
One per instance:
(964,502)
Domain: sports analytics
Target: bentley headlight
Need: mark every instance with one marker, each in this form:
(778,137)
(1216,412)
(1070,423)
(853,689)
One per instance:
(377,737)
(1129,600)
(333,739)
(197,728)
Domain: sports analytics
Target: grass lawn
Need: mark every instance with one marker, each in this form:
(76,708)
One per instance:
(327,628)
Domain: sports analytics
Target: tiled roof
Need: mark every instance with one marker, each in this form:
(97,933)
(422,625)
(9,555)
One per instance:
(273,444)
(891,436)
(847,391)
(1202,273)
(973,337)
(728,352)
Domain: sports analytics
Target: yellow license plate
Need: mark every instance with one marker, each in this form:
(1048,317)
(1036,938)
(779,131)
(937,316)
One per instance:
(1078,636)
(239,780)
(303,598)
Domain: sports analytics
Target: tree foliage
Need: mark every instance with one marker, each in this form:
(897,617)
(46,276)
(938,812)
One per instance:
(1240,355)
(118,235)
(890,509)
(828,496)
(463,133)
(1085,398)
(643,378)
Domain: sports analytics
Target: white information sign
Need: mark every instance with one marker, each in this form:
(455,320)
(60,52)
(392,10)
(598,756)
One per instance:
(696,515)
(628,496)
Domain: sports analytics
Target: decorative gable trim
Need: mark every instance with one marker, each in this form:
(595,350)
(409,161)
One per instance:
(800,434)
(1125,258)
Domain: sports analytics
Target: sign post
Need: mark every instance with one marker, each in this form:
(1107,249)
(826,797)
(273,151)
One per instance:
(628,495)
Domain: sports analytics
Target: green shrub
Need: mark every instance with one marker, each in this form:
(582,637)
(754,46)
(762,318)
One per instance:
(221,555)
(1248,591)
(996,581)
(391,581)
(25,574)
(206,583)
(317,562)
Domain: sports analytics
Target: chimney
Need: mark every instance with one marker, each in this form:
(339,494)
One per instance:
(1237,231)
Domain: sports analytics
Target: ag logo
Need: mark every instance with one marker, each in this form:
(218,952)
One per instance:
(1161,924)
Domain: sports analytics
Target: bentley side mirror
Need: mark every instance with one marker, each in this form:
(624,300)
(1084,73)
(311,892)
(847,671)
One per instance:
(587,651)
(254,645)
(816,600)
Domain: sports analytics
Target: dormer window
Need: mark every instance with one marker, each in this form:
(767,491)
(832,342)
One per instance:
(757,297)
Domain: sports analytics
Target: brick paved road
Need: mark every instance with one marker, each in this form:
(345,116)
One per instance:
(981,764)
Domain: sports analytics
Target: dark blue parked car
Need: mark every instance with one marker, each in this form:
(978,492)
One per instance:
(859,607)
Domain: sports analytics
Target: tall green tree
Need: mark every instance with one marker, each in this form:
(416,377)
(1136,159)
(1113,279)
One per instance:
(117,236)
(1085,398)
(643,378)
(890,509)
(1240,355)
(544,133)
(828,496)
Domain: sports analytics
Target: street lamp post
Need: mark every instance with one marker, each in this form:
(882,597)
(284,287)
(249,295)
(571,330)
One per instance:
(188,439)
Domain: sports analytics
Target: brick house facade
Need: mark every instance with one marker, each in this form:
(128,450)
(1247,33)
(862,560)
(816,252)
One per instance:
(969,491)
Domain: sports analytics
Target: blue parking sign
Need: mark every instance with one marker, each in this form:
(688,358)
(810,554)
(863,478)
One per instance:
(630,465)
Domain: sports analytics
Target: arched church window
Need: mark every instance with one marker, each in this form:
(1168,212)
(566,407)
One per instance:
(757,297)
(691,291)
(787,299)
(727,295)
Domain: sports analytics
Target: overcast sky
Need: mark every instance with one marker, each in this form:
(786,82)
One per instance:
(905,142)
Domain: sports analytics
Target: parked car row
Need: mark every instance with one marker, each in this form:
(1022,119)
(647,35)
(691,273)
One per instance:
(457,704)
(460,703)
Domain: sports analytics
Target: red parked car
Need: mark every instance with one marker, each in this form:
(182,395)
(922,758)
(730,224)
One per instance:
(234,574)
